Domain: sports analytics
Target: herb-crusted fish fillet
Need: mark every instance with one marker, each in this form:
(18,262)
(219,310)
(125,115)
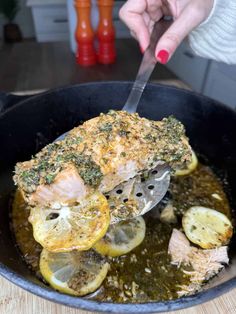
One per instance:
(100,154)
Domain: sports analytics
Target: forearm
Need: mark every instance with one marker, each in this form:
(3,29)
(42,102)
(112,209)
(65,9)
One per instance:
(216,37)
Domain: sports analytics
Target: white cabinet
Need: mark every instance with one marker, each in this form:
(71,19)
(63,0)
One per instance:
(221,83)
(213,79)
(50,20)
(188,67)
(55,20)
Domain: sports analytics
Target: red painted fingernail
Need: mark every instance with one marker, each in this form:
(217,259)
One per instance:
(141,49)
(163,56)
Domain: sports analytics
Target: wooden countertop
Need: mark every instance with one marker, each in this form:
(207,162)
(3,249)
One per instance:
(30,65)
(14,300)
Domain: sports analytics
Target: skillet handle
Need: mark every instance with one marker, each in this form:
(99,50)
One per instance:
(8,100)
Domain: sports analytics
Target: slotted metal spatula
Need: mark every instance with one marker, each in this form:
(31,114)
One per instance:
(138,195)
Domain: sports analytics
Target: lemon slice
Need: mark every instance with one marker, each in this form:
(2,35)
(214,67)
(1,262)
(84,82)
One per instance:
(189,168)
(122,237)
(65,228)
(76,273)
(207,227)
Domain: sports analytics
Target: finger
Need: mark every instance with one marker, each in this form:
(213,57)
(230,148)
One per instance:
(154,9)
(158,16)
(146,18)
(133,35)
(150,26)
(132,15)
(170,7)
(176,33)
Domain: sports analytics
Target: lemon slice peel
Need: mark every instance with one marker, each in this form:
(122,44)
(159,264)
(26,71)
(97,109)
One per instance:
(64,228)
(78,273)
(189,168)
(122,237)
(207,227)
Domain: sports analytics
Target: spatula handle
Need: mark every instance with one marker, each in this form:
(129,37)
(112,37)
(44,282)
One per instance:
(147,66)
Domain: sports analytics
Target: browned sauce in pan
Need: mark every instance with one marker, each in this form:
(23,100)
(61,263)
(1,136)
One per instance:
(145,274)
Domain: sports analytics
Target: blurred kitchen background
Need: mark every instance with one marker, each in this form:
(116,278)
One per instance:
(44,57)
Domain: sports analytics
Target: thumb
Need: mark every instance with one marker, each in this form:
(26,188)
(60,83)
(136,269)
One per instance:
(175,34)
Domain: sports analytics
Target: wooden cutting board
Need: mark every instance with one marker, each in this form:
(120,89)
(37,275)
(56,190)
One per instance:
(14,300)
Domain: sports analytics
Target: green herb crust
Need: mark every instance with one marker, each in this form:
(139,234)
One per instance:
(105,144)
(51,160)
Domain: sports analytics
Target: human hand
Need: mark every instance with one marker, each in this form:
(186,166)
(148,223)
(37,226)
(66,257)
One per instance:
(141,15)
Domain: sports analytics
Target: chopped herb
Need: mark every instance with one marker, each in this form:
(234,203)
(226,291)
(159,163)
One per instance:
(59,158)
(91,175)
(172,129)
(50,178)
(30,177)
(89,171)
(74,140)
(123,133)
(52,148)
(107,127)
(150,137)
(43,166)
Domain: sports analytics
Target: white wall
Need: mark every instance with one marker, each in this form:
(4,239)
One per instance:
(24,19)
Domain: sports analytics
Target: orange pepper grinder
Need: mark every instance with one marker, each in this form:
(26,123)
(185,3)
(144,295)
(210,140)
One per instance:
(84,34)
(106,32)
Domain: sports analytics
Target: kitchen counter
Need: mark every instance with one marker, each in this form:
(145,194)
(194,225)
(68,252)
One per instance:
(30,65)
(14,300)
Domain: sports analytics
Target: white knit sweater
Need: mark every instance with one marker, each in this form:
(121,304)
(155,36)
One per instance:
(216,37)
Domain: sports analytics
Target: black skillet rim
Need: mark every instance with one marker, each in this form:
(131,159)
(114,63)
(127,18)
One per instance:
(95,306)
(91,305)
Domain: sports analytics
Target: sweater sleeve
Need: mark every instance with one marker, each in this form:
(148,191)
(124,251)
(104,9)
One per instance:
(216,37)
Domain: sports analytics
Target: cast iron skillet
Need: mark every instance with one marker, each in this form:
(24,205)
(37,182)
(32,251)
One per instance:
(28,125)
